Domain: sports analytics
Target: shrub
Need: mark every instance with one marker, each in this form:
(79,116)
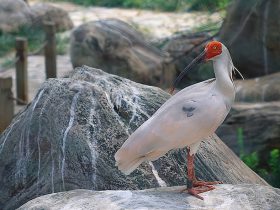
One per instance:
(271,173)
(274,164)
(209,5)
(35,37)
(163,5)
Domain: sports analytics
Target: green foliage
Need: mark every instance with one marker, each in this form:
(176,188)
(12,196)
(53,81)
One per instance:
(209,5)
(251,160)
(7,62)
(35,37)
(6,43)
(271,173)
(62,44)
(162,5)
(240,141)
(105,3)
(274,164)
(167,5)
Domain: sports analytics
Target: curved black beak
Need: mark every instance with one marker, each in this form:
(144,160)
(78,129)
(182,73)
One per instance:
(197,60)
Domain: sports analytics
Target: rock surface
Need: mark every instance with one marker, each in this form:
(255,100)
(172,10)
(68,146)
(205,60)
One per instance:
(13,15)
(45,12)
(67,137)
(261,89)
(260,124)
(183,48)
(253,25)
(115,47)
(230,197)
(16,13)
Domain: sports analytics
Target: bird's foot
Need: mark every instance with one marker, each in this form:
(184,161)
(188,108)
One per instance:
(194,191)
(198,183)
(200,189)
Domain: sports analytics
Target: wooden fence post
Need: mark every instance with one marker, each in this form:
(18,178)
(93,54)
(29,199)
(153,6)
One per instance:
(50,50)
(6,103)
(21,70)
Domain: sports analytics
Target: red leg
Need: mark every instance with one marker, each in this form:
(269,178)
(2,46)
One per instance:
(190,166)
(201,189)
(196,186)
(203,183)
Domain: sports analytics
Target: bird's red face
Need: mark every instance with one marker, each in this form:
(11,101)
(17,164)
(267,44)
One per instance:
(213,49)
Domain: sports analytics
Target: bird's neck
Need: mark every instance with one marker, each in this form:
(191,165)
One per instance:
(224,84)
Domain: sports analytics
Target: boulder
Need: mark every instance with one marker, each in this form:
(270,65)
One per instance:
(117,48)
(16,13)
(261,89)
(226,196)
(67,137)
(259,124)
(45,12)
(183,48)
(250,31)
(13,15)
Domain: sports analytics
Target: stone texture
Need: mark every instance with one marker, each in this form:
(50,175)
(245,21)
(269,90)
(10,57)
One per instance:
(250,31)
(261,89)
(13,15)
(67,137)
(230,197)
(183,48)
(116,47)
(45,12)
(260,124)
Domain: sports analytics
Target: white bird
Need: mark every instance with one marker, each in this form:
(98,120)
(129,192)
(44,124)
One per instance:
(185,119)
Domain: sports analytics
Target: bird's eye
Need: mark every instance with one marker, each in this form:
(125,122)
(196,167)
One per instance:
(214,47)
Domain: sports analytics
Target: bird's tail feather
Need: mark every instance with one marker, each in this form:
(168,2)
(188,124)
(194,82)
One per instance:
(127,161)
(128,166)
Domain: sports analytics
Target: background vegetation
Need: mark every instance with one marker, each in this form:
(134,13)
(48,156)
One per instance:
(161,5)
(271,171)
(35,37)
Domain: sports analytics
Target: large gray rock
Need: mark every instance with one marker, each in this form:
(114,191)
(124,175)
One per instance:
(259,124)
(261,89)
(16,13)
(230,197)
(45,12)
(115,47)
(13,15)
(67,137)
(251,32)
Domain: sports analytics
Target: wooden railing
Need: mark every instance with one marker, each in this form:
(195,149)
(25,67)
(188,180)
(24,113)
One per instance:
(21,65)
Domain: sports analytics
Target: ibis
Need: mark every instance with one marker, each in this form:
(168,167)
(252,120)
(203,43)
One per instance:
(184,120)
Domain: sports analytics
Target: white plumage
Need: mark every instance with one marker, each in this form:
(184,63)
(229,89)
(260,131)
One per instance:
(184,120)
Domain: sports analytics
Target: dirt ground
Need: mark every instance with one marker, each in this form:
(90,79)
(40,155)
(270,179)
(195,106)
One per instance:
(153,23)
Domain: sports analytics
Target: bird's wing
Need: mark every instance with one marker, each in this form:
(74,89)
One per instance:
(188,98)
(183,120)
(188,118)
(188,93)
